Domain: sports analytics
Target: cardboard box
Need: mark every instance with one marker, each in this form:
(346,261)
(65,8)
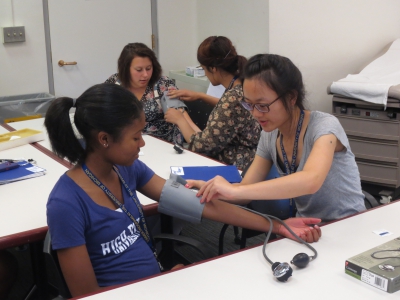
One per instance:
(379,266)
(20,137)
(195,71)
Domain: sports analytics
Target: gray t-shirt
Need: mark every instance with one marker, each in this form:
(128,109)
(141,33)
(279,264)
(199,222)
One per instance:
(340,195)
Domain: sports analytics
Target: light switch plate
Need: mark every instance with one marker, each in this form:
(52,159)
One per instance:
(13,34)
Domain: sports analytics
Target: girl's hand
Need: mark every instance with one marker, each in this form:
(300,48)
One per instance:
(197,184)
(184,95)
(217,188)
(173,116)
(302,227)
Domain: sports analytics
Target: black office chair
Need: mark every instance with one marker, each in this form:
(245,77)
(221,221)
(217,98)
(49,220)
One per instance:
(55,279)
(59,287)
(370,201)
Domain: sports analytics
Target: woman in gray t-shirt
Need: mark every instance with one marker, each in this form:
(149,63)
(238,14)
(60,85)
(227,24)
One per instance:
(309,148)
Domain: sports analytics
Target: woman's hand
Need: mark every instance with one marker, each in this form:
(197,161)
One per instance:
(174,116)
(217,188)
(184,95)
(197,184)
(303,228)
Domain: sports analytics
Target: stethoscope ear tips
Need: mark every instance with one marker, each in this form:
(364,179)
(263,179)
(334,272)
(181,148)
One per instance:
(300,260)
(282,271)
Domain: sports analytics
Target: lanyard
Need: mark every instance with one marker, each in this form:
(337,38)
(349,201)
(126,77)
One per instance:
(231,83)
(292,168)
(145,234)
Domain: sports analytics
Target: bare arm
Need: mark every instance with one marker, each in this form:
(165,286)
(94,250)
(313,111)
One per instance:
(176,117)
(231,214)
(153,187)
(307,181)
(187,95)
(227,213)
(78,270)
(190,122)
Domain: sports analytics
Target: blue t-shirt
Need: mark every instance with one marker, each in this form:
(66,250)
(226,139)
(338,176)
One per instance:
(117,251)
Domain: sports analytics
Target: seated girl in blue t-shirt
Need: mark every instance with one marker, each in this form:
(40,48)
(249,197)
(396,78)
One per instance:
(98,243)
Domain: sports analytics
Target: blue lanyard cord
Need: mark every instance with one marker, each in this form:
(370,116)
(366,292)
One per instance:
(145,234)
(292,168)
(231,83)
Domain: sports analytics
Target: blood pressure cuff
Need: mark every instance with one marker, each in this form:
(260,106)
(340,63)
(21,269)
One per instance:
(178,201)
(167,102)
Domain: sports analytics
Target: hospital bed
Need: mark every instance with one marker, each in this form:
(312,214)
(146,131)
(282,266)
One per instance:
(368,107)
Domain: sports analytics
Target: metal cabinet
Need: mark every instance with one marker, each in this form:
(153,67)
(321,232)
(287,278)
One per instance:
(374,135)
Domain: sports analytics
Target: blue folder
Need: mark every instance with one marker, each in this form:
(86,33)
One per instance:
(24,171)
(230,173)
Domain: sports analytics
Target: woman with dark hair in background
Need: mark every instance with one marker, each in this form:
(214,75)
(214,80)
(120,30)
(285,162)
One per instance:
(231,134)
(140,72)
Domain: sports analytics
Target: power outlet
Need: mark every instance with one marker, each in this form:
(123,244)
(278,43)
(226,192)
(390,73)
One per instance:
(13,34)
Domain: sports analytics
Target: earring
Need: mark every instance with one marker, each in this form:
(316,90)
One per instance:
(105,145)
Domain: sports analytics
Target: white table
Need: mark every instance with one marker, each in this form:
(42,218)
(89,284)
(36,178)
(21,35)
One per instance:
(23,203)
(247,275)
(157,154)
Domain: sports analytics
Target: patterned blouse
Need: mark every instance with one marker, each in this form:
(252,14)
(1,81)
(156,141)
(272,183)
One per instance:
(155,122)
(231,134)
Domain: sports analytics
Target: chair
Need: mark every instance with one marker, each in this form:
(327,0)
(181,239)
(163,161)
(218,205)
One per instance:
(278,208)
(167,258)
(56,278)
(370,201)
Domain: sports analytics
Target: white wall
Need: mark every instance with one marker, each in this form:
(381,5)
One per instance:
(177,34)
(326,39)
(329,39)
(23,68)
(245,23)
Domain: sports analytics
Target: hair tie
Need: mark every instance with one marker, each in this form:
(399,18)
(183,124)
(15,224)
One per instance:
(73,102)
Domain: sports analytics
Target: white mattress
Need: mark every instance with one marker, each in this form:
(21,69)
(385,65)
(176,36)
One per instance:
(376,82)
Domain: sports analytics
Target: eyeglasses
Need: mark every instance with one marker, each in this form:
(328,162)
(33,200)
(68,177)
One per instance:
(261,107)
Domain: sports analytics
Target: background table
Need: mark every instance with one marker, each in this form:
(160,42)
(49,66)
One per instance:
(157,154)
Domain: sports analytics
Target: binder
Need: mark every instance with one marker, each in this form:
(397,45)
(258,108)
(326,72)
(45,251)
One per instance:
(25,171)
(230,173)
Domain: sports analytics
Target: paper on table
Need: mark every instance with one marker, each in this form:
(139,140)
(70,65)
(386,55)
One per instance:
(25,171)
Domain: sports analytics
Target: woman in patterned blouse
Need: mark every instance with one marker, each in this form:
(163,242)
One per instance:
(231,134)
(140,72)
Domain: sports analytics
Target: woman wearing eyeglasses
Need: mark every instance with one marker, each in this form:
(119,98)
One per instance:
(231,134)
(309,148)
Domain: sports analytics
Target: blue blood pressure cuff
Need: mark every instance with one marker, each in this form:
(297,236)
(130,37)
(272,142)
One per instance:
(180,202)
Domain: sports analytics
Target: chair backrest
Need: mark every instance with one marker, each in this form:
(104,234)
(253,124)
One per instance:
(56,278)
(370,201)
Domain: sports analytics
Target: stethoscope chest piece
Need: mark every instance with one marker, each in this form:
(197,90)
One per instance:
(282,271)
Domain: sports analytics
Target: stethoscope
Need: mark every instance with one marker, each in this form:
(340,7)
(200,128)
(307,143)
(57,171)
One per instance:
(386,267)
(282,271)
